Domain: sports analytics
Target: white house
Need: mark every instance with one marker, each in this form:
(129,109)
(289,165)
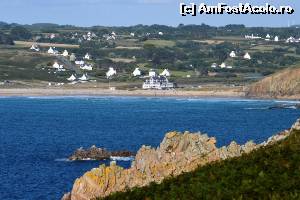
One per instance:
(52,36)
(35,48)
(223,65)
(252,37)
(137,72)
(291,40)
(158,83)
(276,39)
(111,72)
(79,62)
(51,50)
(87,56)
(247,56)
(166,73)
(72,57)
(268,37)
(65,53)
(160,33)
(214,65)
(71,78)
(87,67)
(56,65)
(232,54)
(152,73)
(83,78)
(132,34)
(113,33)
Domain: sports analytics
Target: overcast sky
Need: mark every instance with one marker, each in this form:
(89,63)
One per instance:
(132,12)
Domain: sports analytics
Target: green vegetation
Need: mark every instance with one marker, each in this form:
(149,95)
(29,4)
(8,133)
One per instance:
(186,50)
(271,172)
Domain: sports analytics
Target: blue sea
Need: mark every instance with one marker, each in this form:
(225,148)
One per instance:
(37,134)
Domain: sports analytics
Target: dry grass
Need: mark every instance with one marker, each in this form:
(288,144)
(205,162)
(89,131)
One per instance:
(161,43)
(123,60)
(29,44)
(209,41)
(122,47)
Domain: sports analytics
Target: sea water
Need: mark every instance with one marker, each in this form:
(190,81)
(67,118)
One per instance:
(37,134)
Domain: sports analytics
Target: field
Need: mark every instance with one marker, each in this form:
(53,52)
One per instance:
(29,44)
(21,65)
(161,43)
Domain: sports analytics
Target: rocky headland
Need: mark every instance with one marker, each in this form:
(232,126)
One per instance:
(95,153)
(284,84)
(177,153)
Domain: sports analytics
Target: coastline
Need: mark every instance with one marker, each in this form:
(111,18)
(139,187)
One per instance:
(23,92)
(69,92)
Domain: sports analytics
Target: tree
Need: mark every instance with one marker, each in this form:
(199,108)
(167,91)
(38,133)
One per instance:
(20,33)
(6,39)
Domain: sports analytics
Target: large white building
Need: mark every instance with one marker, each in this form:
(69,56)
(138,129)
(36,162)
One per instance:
(158,83)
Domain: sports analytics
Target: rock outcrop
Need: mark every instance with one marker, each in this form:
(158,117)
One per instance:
(178,153)
(94,153)
(283,84)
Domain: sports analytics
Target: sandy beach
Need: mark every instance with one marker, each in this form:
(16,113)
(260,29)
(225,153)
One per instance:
(106,92)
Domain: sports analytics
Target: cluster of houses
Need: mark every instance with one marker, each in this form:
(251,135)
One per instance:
(89,36)
(73,78)
(292,40)
(275,38)
(232,55)
(153,80)
(267,38)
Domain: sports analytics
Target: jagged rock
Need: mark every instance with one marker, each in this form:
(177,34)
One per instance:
(296,126)
(94,153)
(66,196)
(176,154)
(249,146)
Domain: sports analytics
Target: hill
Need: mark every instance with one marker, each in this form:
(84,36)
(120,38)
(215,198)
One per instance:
(283,84)
(270,172)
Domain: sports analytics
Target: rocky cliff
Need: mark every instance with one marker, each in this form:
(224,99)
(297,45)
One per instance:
(178,153)
(283,84)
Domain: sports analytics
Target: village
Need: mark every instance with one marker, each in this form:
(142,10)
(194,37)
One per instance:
(150,59)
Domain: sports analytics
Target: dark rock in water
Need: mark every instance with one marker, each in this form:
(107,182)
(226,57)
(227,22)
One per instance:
(94,153)
(285,106)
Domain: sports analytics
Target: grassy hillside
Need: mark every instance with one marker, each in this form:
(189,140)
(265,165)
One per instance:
(271,172)
(283,83)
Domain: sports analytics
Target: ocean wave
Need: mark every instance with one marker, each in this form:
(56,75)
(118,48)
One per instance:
(287,101)
(117,158)
(262,108)
(62,160)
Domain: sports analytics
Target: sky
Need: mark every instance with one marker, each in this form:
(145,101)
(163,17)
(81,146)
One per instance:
(132,12)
